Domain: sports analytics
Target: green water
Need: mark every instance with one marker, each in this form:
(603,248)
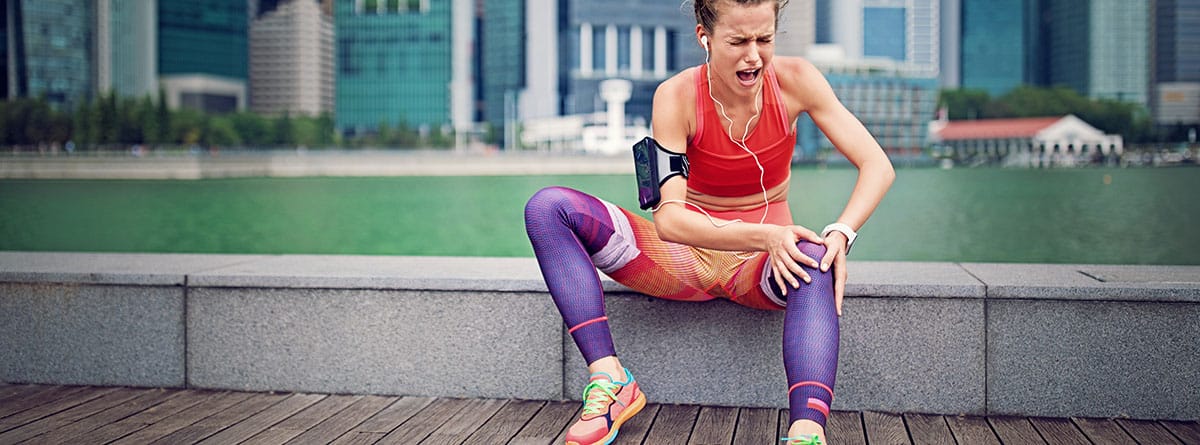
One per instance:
(1140,216)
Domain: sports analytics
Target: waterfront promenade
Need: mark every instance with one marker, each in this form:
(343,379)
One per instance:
(298,163)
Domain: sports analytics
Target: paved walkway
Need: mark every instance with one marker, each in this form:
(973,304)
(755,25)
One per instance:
(99,415)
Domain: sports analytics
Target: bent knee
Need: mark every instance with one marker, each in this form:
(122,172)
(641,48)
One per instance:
(812,250)
(544,201)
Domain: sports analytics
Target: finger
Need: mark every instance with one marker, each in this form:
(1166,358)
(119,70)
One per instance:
(797,270)
(830,256)
(805,234)
(782,274)
(839,282)
(794,252)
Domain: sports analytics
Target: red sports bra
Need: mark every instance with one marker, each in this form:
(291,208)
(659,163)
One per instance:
(721,168)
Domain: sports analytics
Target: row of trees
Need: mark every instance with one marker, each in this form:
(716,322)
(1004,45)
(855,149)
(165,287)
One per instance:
(110,121)
(1128,119)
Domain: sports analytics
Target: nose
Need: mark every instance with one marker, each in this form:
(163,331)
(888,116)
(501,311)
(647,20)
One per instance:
(752,54)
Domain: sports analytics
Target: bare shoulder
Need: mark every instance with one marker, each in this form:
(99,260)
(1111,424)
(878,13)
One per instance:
(677,88)
(802,82)
(674,109)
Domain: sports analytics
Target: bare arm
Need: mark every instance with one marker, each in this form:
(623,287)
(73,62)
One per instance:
(672,124)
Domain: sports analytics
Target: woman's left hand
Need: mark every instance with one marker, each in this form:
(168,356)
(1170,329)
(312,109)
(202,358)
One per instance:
(835,255)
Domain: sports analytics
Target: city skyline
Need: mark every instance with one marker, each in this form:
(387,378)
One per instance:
(458,64)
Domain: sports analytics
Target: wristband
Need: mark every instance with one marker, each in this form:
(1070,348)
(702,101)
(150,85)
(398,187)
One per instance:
(844,229)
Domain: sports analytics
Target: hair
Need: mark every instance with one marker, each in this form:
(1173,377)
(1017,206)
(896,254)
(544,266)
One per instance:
(706,10)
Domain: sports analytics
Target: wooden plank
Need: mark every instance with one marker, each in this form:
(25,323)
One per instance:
(714,426)
(785,422)
(1059,431)
(884,428)
(1147,431)
(1015,430)
(1187,432)
(221,419)
(465,422)
(1102,430)
(183,419)
(45,404)
(507,422)
(972,430)
(756,426)
(423,423)
(144,399)
(928,429)
(345,420)
(18,392)
(845,427)
(129,425)
(300,422)
(673,424)
(391,417)
(264,419)
(551,421)
(66,416)
(359,438)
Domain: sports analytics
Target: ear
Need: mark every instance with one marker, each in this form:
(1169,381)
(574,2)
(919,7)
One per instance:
(702,36)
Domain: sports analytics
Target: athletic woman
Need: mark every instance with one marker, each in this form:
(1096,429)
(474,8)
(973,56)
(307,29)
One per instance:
(724,230)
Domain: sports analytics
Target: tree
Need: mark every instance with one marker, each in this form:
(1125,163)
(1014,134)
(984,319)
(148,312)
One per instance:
(148,120)
(283,130)
(219,131)
(960,104)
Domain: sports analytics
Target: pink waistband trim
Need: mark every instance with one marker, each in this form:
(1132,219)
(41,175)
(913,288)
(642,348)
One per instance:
(580,325)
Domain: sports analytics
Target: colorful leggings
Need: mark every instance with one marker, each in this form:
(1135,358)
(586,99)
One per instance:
(573,234)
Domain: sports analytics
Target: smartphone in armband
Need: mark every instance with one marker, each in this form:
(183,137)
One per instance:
(653,166)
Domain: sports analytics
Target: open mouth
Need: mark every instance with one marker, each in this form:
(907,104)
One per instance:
(748,77)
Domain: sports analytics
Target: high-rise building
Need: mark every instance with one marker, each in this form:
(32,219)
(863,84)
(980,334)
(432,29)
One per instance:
(503,52)
(202,53)
(403,62)
(950,73)
(1177,40)
(1100,48)
(126,47)
(291,60)
(1175,77)
(47,50)
(906,31)
(997,65)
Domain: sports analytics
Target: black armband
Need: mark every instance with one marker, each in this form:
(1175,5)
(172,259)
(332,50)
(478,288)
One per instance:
(653,166)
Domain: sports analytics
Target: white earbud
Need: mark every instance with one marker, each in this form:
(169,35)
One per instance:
(704,41)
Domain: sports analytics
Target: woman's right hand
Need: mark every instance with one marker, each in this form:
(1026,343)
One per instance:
(786,259)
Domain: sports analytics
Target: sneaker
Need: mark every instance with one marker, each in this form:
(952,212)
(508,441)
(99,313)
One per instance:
(807,439)
(606,405)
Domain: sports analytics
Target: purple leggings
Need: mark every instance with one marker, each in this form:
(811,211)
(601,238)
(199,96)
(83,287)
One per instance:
(573,233)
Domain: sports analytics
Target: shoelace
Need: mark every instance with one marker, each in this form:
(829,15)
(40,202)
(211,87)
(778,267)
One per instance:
(596,402)
(811,439)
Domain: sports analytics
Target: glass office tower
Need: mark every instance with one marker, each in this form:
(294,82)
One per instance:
(48,50)
(997,65)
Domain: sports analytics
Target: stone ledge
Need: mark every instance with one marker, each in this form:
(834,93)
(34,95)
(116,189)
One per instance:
(924,337)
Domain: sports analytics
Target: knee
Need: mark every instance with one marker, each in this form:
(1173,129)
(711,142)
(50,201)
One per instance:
(814,251)
(545,202)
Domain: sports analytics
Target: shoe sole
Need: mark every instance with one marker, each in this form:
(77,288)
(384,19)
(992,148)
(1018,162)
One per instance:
(633,408)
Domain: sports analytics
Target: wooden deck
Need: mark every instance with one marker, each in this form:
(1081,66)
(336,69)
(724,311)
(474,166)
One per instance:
(94,415)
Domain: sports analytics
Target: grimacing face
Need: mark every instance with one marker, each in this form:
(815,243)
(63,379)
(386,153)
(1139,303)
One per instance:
(741,45)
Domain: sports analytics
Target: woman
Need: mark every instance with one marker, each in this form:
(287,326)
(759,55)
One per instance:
(724,230)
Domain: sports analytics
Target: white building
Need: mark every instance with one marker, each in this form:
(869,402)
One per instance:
(1040,141)
(907,31)
(291,60)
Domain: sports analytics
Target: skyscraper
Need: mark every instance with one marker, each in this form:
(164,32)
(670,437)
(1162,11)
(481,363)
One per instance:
(906,31)
(291,60)
(202,53)
(396,60)
(1177,40)
(503,51)
(48,50)
(1100,48)
(126,47)
(997,65)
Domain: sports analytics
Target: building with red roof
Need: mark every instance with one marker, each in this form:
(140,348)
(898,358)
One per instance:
(1064,140)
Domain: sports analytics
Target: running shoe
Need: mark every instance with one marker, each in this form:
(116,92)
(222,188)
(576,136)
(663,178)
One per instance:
(606,405)
(807,439)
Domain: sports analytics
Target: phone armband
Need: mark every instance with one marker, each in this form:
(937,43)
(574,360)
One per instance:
(653,166)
